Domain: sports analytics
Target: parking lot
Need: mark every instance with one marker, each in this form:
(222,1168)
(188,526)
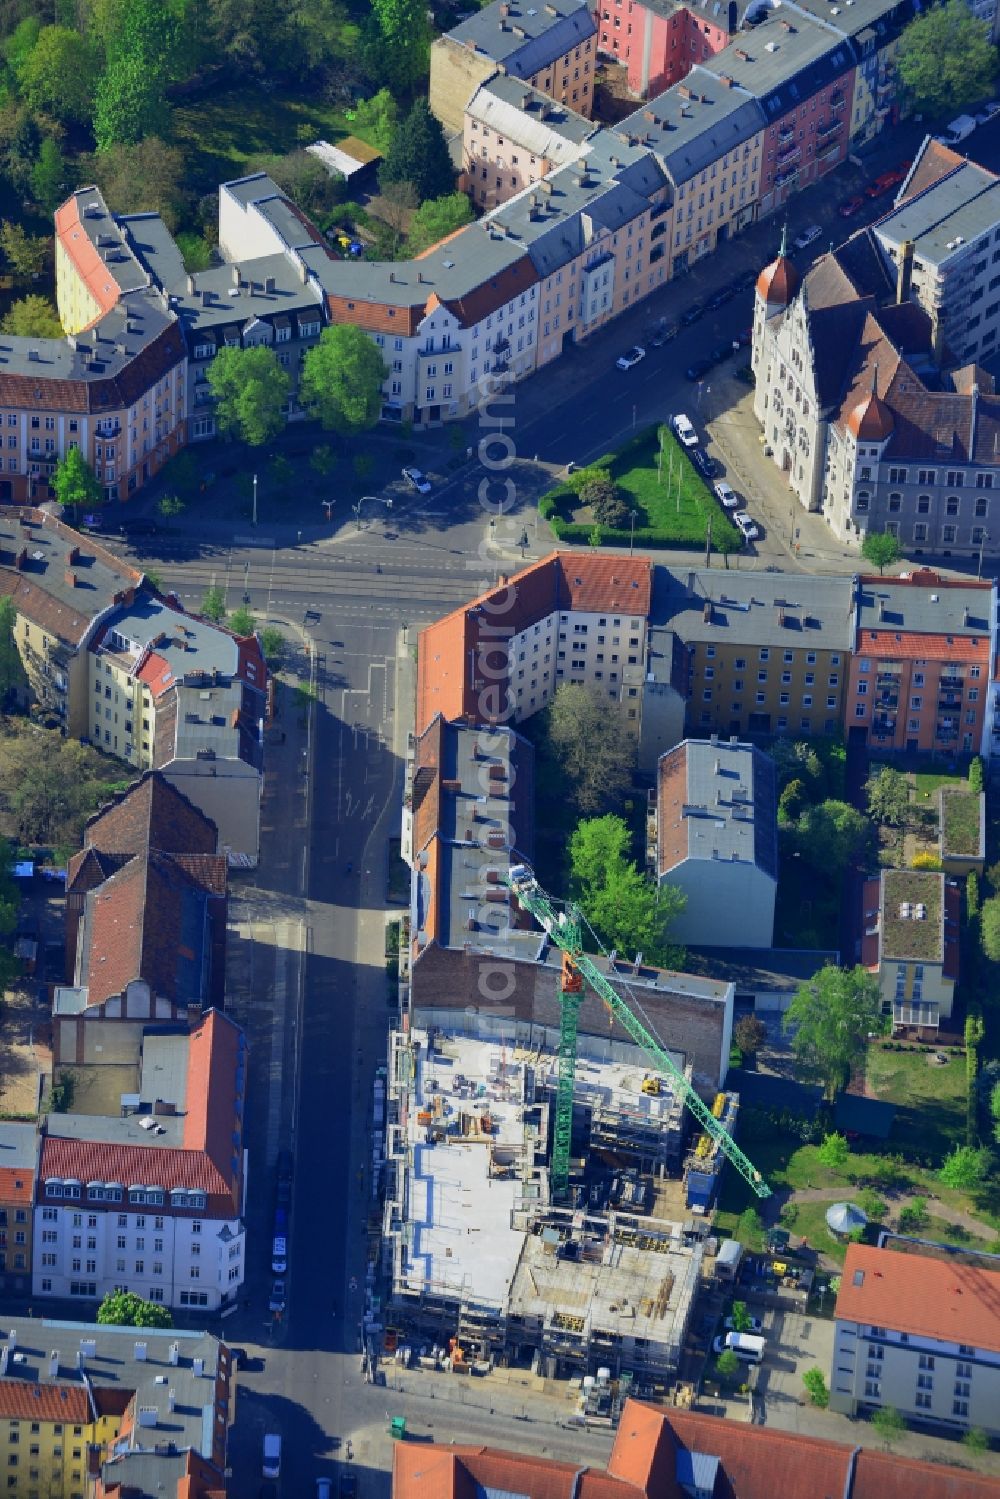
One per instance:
(795,1343)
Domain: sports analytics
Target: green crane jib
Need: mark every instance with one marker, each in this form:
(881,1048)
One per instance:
(566,930)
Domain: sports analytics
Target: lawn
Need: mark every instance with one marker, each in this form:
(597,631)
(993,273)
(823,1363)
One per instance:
(221,131)
(961,822)
(930,1100)
(928,783)
(673,504)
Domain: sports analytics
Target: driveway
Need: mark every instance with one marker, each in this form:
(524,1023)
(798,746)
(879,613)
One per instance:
(794,1344)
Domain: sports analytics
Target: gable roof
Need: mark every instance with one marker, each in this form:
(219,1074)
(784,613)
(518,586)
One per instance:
(935,1298)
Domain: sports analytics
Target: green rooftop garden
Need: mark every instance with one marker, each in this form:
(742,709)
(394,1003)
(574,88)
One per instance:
(960,822)
(912,935)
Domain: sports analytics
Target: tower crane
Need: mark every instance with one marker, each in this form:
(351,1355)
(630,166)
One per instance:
(565,928)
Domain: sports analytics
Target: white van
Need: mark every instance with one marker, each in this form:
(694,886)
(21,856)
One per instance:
(279,1254)
(272,1454)
(746,1345)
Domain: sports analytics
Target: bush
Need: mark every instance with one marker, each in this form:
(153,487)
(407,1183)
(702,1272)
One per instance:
(976,774)
(971,895)
(925,861)
(816,1388)
(914,1217)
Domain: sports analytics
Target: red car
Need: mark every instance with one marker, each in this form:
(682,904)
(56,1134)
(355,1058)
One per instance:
(852,206)
(886,182)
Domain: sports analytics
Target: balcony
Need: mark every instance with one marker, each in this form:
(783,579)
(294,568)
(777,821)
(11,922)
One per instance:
(888,679)
(788,153)
(837,100)
(827,129)
(951,684)
(949,704)
(887,702)
(786,132)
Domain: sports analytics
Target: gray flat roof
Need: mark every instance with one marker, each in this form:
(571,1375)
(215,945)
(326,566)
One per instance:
(167,1132)
(154,246)
(779,970)
(268,286)
(783,62)
(757,608)
(529,117)
(46,594)
(18,1145)
(108,1357)
(941,608)
(100,353)
(110,245)
(729,807)
(526,37)
(883,16)
(959,207)
(690,126)
(189,645)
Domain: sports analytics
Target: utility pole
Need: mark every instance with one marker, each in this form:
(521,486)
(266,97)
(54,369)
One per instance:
(708,542)
(255,499)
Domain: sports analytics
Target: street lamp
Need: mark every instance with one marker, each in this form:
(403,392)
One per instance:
(376,499)
(983,539)
(255,499)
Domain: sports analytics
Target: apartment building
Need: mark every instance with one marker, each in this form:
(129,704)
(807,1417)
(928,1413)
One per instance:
(756,656)
(18,1159)
(567,618)
(919,1332)
(513,136)
(707,134)
(911,943)
(61,584)
(83,1405)
(151,1200)
(146,902)
(803,77)
(921,663)
(716,840)
(659,41)
(673,1454)
(552,46)
(874,28)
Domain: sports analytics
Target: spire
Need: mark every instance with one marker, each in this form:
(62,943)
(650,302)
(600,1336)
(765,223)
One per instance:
(875,379)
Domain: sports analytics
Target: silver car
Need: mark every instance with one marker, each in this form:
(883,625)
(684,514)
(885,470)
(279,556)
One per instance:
(747,525)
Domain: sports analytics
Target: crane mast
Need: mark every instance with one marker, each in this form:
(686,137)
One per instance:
(566,930)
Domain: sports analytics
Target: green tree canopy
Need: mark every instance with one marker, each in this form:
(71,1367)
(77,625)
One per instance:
(436,219)
(12,675)
(378,119)
(592,743)
(727,1364)
(241,621)
(627,911)
(889,1424)
(829,835)
(795,760)
(49,176)
(213,605)
(888,793)
(399,44)
(881,548)
(75,482)
(966,1168)
(749,1033)
(834,1152)
(742,1321)
(946,59)
(989,927)
(56,76)
(25,254)
(126,1309)
(250,388)
(419,154)
(32,317)
(19,45)
(144,178)
(341,380)
(139,38)
(830,1019)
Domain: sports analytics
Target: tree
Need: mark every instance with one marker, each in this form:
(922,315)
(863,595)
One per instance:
(727,1364)
(213,605)
(914,1216)
(989,928)
(49,176)
(419,154)
(830,1019)
(792,802)
(396,206)
(595,536)
(995,1111)
(888,793)
(592,742)
(378,119)
(604,497)
(304,178)
(139,38)
(976,1441)
(26,255)
(242,622)
(816,1388)
(251,389)
(945,59)
(144,178)
(341,381)
(626,909)
(399,47)
(171,505)
(742,1320)
(829,835)
(195,249)
(834,1152)
(75,483)
(56,75)
(797,760)
(126,1309)
(749,1033)
(889,1424)
(272,643)
(966,1168)
(881,549)
(749,1228)
(18,47)
(323,460)
(872,1205)
(33,317)
(436,219)
(12,675)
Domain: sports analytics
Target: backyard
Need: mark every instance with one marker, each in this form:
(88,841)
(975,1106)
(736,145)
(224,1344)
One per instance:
(671,501)
(961,830)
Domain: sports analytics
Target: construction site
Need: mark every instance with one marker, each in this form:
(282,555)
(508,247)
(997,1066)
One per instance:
(479,1255)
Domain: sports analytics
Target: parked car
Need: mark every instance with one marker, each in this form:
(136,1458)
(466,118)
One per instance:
(348,1484)
(746,524)
(692,314)
(807,237)
(324,1488)
(630,357)
(851,206)
(886,181)
(745,338)
(725,294)
(756,1325)
(279,1254)
(722,352)
(726,495)
(747,1348)
(704,463)
(417,480)
(957,130)
(276,1300)
(663,335)
(272,1454)
(988,112)
(698,370)
(684,431)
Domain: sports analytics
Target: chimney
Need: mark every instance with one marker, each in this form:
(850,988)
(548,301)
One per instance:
(174,1354)
(190,286)
(303,272)
(69,578)
(198,1367)
(974,413)
(21,562)
(904,273)
(392,275)
(965,617)
(236,275)
(269,285)
(139,1353)
(54,1364)
(706,612)
(881,610)
(171,1399)
(73,556)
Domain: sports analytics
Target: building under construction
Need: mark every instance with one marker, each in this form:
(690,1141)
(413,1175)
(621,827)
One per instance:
(474,1247)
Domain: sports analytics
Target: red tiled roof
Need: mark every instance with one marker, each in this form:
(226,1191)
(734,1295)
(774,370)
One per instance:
(671,794)
(146,1165)
(906,645)
(883,1475)
(17,1184)
(936,161)
(157,673)
(778,282)
(152,813)
(919,1295)
(83,254)
(22,1399)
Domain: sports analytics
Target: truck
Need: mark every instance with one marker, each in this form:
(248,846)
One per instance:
(957,130)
